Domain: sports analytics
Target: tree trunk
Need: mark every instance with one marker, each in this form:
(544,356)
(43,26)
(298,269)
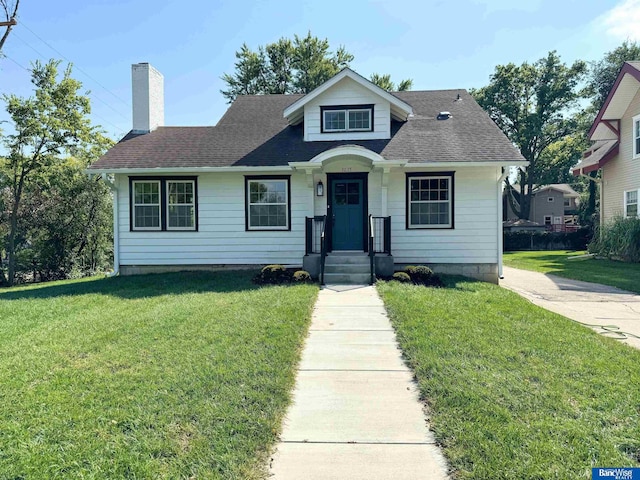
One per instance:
(511,200)
(3,278)
(525,197)
(11,251)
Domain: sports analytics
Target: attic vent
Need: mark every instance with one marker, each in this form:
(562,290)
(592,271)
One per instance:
(444,115)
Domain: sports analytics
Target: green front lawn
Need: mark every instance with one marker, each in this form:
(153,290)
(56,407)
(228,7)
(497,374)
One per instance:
(607,272)
(515,391)
(159,376)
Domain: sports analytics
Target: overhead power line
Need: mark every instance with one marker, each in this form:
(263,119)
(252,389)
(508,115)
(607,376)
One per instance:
(93,94)
(17,63)
(77,67)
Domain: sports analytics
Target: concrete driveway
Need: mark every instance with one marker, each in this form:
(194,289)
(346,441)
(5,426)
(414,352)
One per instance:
(608,310)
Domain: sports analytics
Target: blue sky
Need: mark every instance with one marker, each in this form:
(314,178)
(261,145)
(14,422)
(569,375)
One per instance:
(439,44)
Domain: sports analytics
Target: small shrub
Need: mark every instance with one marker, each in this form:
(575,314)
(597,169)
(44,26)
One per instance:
(301,276)
(423,275)
(272,275)
(402,277)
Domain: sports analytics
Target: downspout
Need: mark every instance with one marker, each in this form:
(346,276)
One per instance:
(504,175)
(116,231)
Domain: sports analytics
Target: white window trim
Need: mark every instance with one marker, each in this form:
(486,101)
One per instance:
(549,218)
(192,204)
(635,121)
(159,205)
(449,202)
(624,200)
(346,120)
(286,203)
(550,199)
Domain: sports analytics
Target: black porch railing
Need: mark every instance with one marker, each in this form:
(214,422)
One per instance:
(314,226)
(372,250)
(381,234)
(316,239)
(379,226)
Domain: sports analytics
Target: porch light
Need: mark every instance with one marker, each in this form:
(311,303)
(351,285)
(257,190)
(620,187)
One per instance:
(320,189)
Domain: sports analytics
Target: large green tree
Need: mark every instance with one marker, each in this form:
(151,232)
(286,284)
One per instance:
(384,82)
(68,223)
(536,105)
(45,127)
(291,66)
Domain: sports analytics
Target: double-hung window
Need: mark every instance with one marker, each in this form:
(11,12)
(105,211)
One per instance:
(631,203)
(268,205)
(163,203)
(146,205)
(636,136)
(354,118)
(430,200)
(181,204)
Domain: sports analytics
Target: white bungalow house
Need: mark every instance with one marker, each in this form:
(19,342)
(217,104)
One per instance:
(615,134)
(345,171)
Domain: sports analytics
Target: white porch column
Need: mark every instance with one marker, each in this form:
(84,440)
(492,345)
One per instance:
(384,191)
(312,193)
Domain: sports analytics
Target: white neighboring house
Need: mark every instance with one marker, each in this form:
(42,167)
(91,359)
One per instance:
(424,169)
(616,148)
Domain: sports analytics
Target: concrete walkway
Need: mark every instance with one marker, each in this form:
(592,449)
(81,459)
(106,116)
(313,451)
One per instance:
(355,412)
(611,311)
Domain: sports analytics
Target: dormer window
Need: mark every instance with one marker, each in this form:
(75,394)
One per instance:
(351,118)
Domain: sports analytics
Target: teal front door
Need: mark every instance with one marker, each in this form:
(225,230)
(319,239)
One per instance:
(347,210)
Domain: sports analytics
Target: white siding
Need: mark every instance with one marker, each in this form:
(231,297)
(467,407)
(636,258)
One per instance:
(223,240)
(221,237)
(623,172)
(474,238)
(347,92)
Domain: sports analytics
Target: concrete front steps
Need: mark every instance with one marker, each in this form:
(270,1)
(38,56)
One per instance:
(347,268)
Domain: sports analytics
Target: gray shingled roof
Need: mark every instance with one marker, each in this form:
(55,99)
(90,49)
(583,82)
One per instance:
(253,132)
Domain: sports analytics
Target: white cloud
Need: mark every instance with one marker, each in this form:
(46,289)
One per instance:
(623,21)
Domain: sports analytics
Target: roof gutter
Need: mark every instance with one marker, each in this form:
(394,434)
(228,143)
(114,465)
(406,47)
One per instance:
(170,170)
(295,165)
(499,163)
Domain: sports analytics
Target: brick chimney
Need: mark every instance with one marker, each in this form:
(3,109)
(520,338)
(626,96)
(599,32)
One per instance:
(148,98)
